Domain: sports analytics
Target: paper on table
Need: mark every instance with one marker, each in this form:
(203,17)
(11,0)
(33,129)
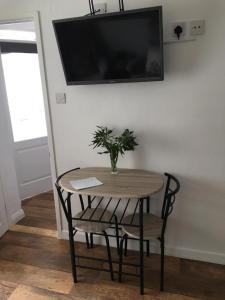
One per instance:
(85,183)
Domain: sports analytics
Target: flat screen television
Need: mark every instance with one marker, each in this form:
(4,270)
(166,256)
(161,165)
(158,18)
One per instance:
(115,47)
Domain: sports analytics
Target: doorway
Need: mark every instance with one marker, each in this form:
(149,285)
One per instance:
(25,103)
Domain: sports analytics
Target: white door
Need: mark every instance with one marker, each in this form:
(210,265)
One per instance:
(26,107)
(33,167)
(3,216)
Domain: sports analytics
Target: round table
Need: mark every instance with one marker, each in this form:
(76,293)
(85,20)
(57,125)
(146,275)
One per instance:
(128,183)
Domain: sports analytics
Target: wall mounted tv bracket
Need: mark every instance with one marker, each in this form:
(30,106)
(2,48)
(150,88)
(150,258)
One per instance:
(121,5)
(93,11)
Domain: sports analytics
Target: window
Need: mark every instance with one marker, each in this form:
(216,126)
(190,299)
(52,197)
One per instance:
(17,35)
(25,98)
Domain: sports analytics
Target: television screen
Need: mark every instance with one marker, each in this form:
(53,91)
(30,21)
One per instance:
(115,47)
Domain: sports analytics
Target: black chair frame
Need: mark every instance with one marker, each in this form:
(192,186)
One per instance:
(66,205)
(167,209)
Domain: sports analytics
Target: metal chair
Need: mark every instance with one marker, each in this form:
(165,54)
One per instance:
(154,226)
(76,224)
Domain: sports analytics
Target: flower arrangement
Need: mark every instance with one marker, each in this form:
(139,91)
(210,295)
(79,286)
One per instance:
(113,145)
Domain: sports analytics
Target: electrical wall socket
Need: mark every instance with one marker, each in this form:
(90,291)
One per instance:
(100,8)
(191,29)
(183,25)
(197,27)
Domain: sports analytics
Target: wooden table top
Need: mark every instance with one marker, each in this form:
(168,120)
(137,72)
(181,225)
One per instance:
(128,183)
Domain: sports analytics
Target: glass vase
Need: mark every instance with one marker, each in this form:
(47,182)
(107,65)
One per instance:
(114,160)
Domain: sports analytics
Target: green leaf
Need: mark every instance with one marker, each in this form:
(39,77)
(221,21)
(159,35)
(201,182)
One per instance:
(113,145)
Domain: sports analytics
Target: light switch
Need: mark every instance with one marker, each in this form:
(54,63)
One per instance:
(60,98)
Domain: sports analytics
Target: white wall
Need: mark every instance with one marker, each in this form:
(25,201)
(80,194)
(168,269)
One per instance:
(179,122)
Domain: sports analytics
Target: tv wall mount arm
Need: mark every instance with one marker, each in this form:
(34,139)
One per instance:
(93,11)
(121,5)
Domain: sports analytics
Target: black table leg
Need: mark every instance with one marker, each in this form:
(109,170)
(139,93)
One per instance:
(72,247)
(141,248)
(148,205)
(148,211)
(86,234)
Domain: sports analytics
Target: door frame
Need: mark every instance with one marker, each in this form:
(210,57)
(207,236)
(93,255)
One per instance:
(35,17)
(4,221)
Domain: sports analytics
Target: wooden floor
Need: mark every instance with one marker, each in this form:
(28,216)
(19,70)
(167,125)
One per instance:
(34,264)
(40,212)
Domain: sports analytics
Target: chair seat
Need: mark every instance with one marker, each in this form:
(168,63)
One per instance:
(92,227)
(151,223)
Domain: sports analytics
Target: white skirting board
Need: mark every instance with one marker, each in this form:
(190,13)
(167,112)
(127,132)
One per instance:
(36,187)
(17,216)
(194,254)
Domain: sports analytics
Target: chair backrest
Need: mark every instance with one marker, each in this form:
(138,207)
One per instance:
(172,188)
(60,177)
(60,191)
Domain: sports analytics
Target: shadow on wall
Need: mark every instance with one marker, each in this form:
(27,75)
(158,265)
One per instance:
(152,144)
(201,205)
(187,58)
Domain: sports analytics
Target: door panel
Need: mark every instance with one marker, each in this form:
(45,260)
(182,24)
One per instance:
(33,167)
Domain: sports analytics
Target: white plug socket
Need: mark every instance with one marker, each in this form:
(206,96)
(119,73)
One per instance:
(183,25)
(197,27)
